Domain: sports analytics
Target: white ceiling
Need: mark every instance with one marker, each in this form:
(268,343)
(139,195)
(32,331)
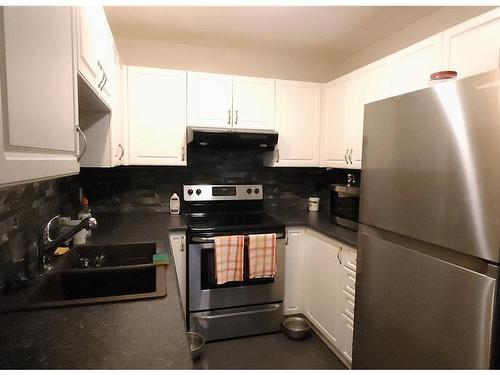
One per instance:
(328,32)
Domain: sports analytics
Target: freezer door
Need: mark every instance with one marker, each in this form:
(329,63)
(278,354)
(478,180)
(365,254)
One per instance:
(414,311)
(430,165)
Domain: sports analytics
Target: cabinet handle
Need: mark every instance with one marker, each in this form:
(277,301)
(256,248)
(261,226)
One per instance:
(339,254)
(277,155)
(182,246)
(80,131)
(286,238)
(182,153)
(345,156)
(350,156)
(102,79)
(229,117)
(105,80)
(123,151)
(236,119)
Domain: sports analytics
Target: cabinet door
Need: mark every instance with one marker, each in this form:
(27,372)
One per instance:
(157,116)
(322,284)
(294,271)
(39,93)
(411,67)
(473,47)
(369,84)
(178,245)
(118,128)
(107,58)
(89,41)
(336,122)
(297,122)
(210,100)
(253,103)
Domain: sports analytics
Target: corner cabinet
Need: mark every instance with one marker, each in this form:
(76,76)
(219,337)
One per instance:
(38,136)
(298,111)
(156,116)
(473,47)
(223,101)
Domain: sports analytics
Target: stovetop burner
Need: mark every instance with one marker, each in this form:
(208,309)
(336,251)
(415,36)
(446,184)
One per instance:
(228,209)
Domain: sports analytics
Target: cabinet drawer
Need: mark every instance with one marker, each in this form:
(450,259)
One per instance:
(349,259)
(349,280)
(347,304)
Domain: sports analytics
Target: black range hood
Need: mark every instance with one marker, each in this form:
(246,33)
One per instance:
(263,140)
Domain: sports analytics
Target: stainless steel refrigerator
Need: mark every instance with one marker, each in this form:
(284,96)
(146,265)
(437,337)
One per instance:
(429,238)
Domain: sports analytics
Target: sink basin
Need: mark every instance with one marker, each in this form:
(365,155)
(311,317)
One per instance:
(126,273)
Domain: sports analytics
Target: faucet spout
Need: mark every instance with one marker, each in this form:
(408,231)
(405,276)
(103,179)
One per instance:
(47,244)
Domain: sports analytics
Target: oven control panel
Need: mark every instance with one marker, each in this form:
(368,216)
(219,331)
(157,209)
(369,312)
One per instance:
(222,192)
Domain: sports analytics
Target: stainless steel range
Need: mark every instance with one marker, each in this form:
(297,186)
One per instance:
(248,307)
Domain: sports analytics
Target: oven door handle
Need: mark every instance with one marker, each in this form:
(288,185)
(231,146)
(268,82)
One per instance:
(220,316)
(212,239)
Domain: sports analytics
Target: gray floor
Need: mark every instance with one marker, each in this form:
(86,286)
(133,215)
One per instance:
(272,351)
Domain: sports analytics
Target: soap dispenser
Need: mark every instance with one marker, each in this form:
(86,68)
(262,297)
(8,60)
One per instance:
(175,204)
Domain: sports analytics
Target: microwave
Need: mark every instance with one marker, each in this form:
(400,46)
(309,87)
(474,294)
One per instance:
(344,205)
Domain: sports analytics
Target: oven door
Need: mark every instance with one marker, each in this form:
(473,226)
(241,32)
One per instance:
(205,294)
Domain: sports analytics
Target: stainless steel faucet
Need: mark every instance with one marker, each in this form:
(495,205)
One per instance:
(47,244)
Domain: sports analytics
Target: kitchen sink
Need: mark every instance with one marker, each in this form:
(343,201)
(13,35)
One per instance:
(109,273)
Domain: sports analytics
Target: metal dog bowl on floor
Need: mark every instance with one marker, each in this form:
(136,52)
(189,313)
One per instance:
(296,328)
(196,342)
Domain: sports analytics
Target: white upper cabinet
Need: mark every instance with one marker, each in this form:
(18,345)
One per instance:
(473,47)
(253,103)
(39,94)
(410,68)
(95,50)
(210,100)
(157,116)
(298,111)
(222,101)
(336,125)
(370,84)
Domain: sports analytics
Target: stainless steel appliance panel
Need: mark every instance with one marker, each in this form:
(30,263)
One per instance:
(430,165)
(414,311)
(204,299)
(235,322)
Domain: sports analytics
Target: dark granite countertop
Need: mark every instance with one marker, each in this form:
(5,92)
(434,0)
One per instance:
(143,334)
(319,221)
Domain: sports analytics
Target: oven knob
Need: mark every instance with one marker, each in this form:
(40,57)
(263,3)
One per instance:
(249,191)
(256,191)
(198,191)
(190,191)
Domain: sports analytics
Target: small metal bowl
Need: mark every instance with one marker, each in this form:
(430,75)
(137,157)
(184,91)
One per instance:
(296,328)
(196,343)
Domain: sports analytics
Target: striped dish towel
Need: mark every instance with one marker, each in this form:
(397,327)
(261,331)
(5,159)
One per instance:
(262,255)
(229,258)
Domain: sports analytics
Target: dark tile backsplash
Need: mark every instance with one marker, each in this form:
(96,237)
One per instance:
(150,188)
(23,209)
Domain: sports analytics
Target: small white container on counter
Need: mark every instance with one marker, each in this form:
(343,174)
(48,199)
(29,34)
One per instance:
(175,204)
(313,204)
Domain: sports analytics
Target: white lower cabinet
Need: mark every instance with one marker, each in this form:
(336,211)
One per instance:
(329,286)
(178,244)
(294,270)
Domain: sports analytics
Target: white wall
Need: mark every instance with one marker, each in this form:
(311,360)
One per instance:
(159,54)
